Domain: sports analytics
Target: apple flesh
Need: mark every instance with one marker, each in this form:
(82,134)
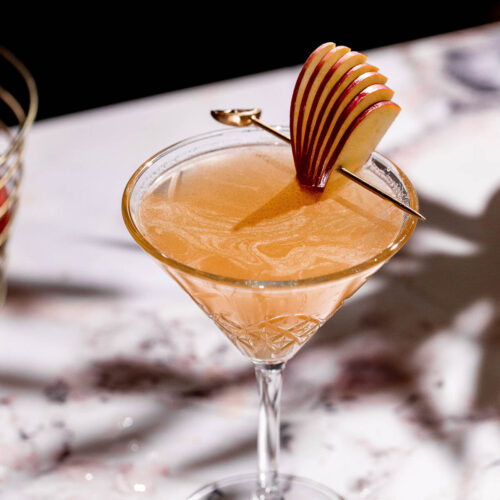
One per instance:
(312,100)
(302,80)
(330,103)
(361,101)
(331,120)
(361,138)
(313,88)
(325,88)
(329,95)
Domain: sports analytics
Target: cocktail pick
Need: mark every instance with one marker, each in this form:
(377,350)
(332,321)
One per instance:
(246,117)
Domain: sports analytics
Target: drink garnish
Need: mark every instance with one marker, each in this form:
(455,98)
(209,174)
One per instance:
(339,113)
(340,110)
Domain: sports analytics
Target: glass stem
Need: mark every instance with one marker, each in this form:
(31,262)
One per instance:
(269,379)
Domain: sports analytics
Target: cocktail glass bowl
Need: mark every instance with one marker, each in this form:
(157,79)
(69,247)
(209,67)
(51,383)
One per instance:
(268,321)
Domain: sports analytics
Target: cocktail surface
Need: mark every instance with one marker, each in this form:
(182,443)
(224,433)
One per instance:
(240,213)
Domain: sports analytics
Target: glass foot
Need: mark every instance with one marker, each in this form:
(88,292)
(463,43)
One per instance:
(245,488)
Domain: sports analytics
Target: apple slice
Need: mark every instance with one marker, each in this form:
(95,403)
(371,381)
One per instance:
(322,95)
(301,83)
(313,86)
(360,139)
(330,120)
(329,93)
(350,110)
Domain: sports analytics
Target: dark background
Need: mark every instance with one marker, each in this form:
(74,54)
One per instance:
(87,58)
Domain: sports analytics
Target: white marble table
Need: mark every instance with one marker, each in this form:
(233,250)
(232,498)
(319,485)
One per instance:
(114,385)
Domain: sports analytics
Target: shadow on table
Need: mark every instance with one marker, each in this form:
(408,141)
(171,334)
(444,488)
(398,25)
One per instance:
(173,389)
(21,292)
(421,296)
(131,375)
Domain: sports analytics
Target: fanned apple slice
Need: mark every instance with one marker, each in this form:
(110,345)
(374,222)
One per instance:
(330,91)
(361,139)
(331,120)
(300,85)
(363,100)
(323,95)
(313,88)
(331,94)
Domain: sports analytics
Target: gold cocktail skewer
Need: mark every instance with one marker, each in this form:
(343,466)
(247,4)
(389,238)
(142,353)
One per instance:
(246,117)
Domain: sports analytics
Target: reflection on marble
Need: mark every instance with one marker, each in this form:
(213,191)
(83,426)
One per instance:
(114,385)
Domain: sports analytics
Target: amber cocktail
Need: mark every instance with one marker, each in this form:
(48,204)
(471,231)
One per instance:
(268,260)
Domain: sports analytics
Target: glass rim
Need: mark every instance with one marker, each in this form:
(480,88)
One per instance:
(403,235)
(29,115)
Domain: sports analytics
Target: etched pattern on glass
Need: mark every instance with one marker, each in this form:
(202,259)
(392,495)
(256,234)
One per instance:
(264,324)
(273,339)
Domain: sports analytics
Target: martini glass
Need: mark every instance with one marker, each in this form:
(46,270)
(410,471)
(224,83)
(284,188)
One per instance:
(268,321)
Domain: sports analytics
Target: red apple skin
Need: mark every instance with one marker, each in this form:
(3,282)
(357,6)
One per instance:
(334,54)
(383,111)
(357,105)
(355,88)
(354,72)
(343,65)
(347,61)
(350,92)
(363,111)
(322,49)
(5,218)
